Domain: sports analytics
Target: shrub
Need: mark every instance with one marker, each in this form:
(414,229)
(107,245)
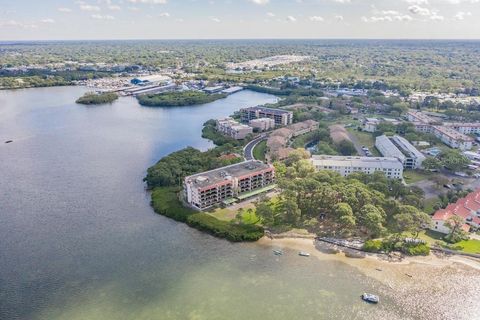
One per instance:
(373,246)
(165,202)
(420,249)
(101,98)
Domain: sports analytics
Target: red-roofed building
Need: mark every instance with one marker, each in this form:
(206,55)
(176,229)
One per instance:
(467,208)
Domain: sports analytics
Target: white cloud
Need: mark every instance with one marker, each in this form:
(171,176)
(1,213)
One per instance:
(416,9)
(65,10)
(102,17)
(462,1)
(436,17)
(214,19)
(417,2)
(389,12)
(47,20)
(342,1)
(316,18)
(291,18)
(270,14)
(18,24)
(461,15)
(387,18)
(260,2)
(164,15)
(88,7)
(148,1)
(339,18)
(405,17)
(114,7)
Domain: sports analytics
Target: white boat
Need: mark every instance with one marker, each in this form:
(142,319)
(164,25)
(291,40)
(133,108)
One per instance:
(304,254)
(368,297)
(278,252)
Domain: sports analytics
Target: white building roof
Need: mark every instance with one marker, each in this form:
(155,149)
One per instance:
(388,149)
(363,162)
(408,148)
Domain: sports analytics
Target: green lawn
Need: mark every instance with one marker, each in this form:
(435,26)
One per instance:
(365,139)
(469,246)
(412,176)
(428,205)
(260,150)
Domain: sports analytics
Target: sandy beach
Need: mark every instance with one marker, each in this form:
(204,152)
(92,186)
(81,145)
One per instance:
(420,283)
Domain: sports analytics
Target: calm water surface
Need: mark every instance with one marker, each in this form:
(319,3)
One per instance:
(78,239)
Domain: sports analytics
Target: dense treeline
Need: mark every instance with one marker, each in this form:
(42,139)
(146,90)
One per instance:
(165,201)
(403,65)
(287,91)
(173,168)
(359,204)
(176,99)
(97,98)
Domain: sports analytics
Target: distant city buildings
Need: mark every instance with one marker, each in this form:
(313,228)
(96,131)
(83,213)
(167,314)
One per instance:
(281,117)
(233,129)
(346,165)
(228,184)
(398,147)
(468,208)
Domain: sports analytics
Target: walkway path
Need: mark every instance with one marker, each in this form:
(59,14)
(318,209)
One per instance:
(248,149)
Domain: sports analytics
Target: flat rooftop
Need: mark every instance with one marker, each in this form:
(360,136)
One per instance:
(208,178)
(268,110)
(364,162)
(453,133)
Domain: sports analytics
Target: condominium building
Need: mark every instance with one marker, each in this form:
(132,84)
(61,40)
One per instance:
(453,138)
(262,124)
(467,208)
(399,147)
(223,185)
(418,116)
(391,167)
(281,117)
(453,134)
(465,128)
(233,129)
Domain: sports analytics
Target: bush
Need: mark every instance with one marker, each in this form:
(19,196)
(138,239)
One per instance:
(420,249)
(225,229)
(373,246)
(165,202)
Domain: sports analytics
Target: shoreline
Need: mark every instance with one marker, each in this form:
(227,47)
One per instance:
(389,271)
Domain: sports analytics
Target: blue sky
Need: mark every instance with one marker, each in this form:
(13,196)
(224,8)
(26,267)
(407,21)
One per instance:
(210,19)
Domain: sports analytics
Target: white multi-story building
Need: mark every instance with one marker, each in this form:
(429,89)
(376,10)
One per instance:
(391,167)
(453,138)
(465,128)
(281,117)
(209,188)
(398,147)
(233,129)
(263,124)
(452,134)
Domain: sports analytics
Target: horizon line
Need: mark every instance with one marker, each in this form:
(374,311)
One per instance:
(243,39)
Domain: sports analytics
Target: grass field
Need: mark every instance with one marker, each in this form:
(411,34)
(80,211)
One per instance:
(260,150)
(428,205)
(412,176)
(467,246)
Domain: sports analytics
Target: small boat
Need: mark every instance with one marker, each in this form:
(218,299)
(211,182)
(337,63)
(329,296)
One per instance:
(9,141)
(304,254)
(371,298)
(278,252)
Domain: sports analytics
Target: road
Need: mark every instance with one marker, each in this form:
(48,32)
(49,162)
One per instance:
(248,149)
(356,143)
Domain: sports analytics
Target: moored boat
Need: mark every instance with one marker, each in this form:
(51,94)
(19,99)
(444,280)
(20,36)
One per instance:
(368,297)
(304,254)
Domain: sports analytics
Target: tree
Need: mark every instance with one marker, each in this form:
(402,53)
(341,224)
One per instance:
(265,212)
(431,164)
(412,220)
(455,224)
(346,148)
(372,218)
(454,160)
(344,215)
